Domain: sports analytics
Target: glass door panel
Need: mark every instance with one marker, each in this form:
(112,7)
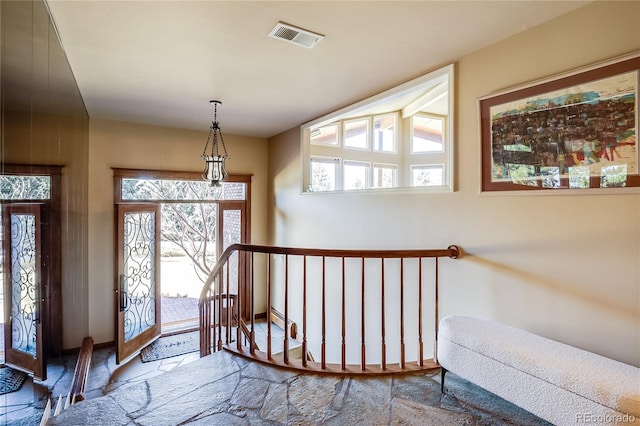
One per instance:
(23,305)
(231,221)
(138,292)
(231,225)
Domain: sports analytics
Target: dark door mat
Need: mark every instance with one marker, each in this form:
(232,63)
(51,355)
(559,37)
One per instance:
(167,347)
(11,380)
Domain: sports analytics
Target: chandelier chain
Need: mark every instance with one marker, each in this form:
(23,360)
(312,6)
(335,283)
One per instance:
(214,131)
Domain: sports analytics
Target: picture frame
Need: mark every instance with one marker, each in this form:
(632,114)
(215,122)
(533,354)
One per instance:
(576,131)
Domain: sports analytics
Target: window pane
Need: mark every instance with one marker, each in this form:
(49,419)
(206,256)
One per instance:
(431,175)
(232,234)
(385,176)
(355,134)
(25,187)
(327,135)
(23,282)
(233,191)
(384,133)
(355,175)
(162,189)
(323,174)
(140,279)
(428,134)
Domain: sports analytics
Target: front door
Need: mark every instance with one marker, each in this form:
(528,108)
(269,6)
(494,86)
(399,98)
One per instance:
(138,288)
(23,288)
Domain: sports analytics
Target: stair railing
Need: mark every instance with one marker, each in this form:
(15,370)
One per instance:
(361,311)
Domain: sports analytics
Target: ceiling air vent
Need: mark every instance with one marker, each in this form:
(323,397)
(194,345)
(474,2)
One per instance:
(291,34)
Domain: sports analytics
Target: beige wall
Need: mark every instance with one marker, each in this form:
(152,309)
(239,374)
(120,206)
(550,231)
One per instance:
(125,145)
(563,266)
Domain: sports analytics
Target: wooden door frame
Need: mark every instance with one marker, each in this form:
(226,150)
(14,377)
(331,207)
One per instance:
(14,357)
(245,297)
(124,350)
(51,317)
(119,174)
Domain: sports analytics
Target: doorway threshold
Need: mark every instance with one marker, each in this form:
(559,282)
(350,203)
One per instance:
(178,327)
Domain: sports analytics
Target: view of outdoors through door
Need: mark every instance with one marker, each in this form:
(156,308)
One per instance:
(187,255)
(197,223)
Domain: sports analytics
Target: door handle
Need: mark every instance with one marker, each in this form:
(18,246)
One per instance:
(36,305)
(123,293)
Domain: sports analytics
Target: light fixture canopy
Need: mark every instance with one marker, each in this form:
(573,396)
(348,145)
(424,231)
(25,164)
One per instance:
(214,171)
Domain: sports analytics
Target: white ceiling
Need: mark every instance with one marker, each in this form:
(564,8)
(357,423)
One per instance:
(160,62)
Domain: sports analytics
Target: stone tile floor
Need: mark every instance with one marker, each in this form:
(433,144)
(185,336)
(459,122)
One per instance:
(26,406)
(224,389)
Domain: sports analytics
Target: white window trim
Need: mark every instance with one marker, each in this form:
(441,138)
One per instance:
(338,137)
(396,131)
(365,107)
(357,163)
(391,166)
(328,160)
(367,136)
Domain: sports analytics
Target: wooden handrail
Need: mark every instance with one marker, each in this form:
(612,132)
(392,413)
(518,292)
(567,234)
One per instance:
(244,330)
(397,305)
(452,252)
(81,372)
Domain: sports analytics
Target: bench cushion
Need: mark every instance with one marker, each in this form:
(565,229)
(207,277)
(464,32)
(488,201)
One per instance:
(602,380)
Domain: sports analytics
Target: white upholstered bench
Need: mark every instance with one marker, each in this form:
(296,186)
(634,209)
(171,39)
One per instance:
(558,383)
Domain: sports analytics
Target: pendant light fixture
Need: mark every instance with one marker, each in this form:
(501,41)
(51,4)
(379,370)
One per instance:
(214,171)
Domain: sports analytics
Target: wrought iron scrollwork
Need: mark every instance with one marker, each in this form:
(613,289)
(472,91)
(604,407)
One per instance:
(137,291)
(24,285)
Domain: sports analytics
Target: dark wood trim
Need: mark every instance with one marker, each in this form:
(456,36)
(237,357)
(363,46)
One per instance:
(372,370)
(453,252)
(53,338)
(124,349)
(81,372)
(96,346)
(181,331)
(278,318)
(169,174)
(52,251)
(34,363)
(31,169)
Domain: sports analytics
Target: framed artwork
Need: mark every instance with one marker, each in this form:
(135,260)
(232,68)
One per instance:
(576,131)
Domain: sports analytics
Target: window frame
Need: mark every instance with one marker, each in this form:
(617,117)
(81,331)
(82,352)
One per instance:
(338,136)
(337,178)
(367,134)
(396,127)
(424,166)
(390,166)
(436,86)
(357,163)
